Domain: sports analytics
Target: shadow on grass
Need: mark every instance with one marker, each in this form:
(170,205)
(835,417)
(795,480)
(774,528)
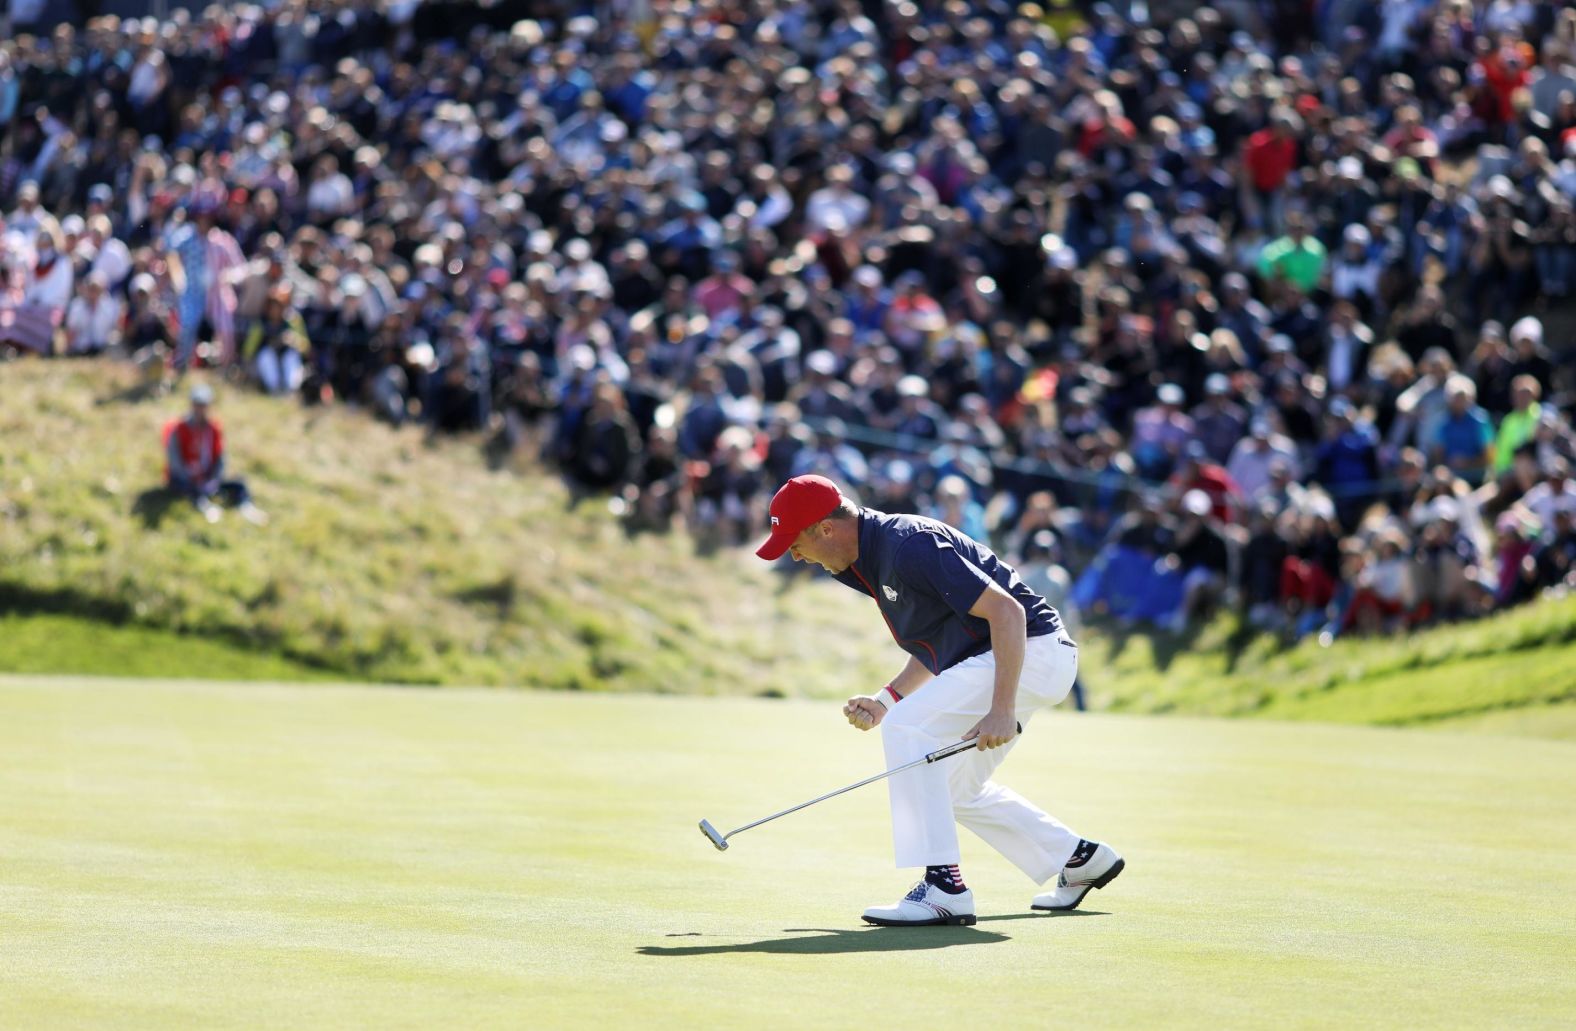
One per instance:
(65,601)
(827,941)
(148,388)
(1043,915)
(819,941)
(1237,644)
(152,505)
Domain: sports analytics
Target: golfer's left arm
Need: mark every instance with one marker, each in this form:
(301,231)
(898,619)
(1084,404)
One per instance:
(1008,638)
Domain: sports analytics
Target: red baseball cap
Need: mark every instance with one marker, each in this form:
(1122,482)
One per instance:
(798,505)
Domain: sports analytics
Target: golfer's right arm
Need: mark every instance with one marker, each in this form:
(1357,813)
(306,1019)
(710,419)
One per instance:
(913,677)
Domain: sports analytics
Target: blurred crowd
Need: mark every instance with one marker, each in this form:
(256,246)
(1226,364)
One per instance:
(1254,303)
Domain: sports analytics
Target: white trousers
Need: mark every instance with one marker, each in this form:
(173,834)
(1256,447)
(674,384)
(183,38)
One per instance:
(930,800)
(280,371)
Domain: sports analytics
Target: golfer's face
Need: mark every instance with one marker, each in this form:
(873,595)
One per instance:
(810,546)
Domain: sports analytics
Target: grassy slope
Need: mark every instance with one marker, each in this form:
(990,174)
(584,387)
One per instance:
(47,642)
(386,559)
(1510,670)
(226,856)
(392,559)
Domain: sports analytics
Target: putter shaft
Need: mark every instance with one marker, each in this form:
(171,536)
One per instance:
(721,841)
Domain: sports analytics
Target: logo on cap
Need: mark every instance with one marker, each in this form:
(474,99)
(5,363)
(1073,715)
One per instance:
(775,521)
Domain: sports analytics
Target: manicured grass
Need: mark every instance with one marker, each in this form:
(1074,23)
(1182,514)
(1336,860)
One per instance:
(211,855)
(1554,721)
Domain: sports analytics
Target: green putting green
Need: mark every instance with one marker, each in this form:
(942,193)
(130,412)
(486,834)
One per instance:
(215,855)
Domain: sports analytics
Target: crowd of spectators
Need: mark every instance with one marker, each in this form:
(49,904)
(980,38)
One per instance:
(1249,302)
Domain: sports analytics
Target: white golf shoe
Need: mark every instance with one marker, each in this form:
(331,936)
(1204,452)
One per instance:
(924,906)
(1074,882)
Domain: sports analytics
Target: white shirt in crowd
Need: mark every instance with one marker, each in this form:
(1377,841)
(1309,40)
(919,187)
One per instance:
(53,288)
(773,208)
(147,79)
(1344,353)
(332,195)
(1546,502)
(1349,278)
(113,262)
(93,326)
(1391,579)
(819,210)
(28,223)
(1251,461)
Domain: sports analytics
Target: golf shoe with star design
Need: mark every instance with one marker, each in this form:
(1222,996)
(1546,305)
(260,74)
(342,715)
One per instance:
(925,905)
(1080,876)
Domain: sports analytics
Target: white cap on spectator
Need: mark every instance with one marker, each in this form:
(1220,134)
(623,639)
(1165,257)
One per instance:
(1358,233)
(912,386)
(1169,394)
(867,275)
(1527,328)
(72,225)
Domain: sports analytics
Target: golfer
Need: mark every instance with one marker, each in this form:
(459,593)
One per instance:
(984,654)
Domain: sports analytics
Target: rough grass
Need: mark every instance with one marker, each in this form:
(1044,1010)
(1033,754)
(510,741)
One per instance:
(1523,660)
(387,558)
(216,856)
(391,558)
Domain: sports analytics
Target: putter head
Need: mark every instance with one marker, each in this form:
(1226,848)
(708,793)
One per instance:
(711,835)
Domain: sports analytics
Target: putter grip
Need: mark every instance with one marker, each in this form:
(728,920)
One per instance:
(951,750)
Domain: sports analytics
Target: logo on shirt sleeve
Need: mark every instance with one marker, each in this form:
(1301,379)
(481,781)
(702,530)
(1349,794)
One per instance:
(891,595)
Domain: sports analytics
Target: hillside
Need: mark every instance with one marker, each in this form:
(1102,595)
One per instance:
(393,558)
(387,557)
(1514,672)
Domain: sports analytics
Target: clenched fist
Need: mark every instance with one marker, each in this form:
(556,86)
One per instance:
(864,712)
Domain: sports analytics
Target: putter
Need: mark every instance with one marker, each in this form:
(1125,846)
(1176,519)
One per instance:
(721,840)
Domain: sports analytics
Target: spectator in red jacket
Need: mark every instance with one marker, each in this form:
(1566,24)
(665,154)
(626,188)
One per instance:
(194,453)
(1268,158)
(1502,70)
(1201,473)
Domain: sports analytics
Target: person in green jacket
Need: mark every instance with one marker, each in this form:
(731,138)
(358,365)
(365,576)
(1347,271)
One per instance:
(1297,257)
(1518,426)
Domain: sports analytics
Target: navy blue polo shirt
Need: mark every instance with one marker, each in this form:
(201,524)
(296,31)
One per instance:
(926,576)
